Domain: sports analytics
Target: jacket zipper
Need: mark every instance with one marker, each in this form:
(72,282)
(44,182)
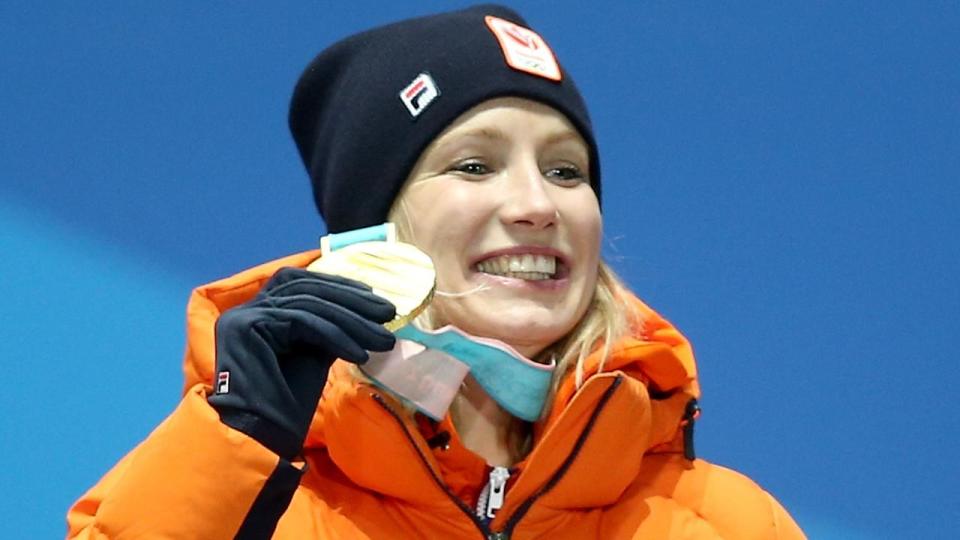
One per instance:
(525,506)
(484,530)
(492,495)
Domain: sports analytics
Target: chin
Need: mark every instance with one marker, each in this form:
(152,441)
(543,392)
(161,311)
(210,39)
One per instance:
(529,327)
(529,336)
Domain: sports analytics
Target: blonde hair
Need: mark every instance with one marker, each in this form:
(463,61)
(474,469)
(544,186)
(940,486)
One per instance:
(607,317)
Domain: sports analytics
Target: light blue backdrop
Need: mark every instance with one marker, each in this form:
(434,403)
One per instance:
(781,181)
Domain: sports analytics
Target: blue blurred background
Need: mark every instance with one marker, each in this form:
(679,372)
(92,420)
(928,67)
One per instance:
(781,182)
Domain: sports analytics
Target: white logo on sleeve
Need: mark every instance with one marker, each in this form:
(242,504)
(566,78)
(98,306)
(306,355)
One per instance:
(419,93)
(223,382)
(524,49)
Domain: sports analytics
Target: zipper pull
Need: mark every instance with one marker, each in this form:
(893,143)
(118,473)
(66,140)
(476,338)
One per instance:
(496,490)
(690,415)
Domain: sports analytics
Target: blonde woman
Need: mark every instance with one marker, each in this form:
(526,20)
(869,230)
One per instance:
(464,130)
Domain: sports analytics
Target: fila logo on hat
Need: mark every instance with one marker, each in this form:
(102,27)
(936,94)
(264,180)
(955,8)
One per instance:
(523,49)
(419,93)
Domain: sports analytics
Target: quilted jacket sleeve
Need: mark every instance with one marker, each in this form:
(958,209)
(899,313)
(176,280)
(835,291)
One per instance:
(733,504)
(193,477)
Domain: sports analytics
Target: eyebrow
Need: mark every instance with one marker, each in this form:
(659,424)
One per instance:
(497,134)
(563,136)
(482,133)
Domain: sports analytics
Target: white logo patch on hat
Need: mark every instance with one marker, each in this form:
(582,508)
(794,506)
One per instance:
(419,93)
(524,49)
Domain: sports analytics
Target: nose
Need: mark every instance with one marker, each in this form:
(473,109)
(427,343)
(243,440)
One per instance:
(528,201)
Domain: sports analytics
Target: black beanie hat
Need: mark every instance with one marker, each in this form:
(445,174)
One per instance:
(365,108)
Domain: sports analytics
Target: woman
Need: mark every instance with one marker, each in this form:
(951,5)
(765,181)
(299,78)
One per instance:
(462,129)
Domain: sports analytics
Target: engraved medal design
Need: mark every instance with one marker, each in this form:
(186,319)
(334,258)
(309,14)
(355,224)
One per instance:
(397,271)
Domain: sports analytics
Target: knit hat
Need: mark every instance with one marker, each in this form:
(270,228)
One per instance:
(366,108)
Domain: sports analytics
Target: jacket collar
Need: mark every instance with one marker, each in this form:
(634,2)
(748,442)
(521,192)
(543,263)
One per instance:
(607,425)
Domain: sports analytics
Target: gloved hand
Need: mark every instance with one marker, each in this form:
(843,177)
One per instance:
(274,352)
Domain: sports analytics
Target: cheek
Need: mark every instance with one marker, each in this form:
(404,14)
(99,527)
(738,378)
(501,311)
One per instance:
(586,226)
(445,218)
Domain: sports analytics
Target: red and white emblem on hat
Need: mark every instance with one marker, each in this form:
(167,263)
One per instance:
(524,49)
(419,93)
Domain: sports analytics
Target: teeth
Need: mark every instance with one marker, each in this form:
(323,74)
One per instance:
(526,266)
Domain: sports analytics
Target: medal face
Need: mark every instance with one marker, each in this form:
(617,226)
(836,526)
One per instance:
(399,272)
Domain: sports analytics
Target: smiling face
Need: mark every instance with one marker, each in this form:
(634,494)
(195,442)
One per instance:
(501,199)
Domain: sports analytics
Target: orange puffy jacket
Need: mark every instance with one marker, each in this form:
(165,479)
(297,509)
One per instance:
(608,461)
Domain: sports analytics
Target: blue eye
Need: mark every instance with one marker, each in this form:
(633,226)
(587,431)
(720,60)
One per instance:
(566,175)
(472,167)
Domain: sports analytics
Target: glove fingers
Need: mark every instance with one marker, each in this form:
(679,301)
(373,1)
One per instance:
(311,334)
(366,333)
(363,303)
(288,274)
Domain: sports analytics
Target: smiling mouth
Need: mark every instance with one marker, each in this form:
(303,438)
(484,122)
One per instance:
(526,266)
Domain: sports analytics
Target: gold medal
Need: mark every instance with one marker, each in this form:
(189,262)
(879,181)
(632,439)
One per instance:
(397,271)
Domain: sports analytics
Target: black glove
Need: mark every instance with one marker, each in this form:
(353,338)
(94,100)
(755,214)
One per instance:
(274,352)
